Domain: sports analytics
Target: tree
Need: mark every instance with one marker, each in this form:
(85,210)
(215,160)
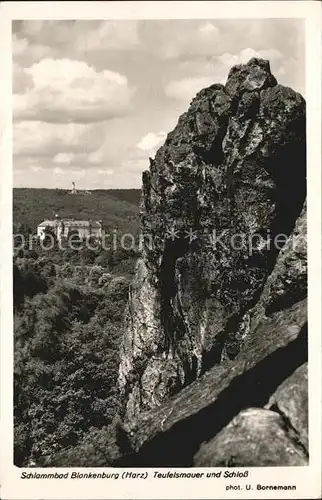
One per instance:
(66,271)
(103,258)
(50,234)
(87,256)
(105,279)
(95,274)
(79,275)
(74,241)
(67,339)
(27,281)
(118,289)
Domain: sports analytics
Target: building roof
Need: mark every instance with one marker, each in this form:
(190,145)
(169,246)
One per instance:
(71,223)
(46,223)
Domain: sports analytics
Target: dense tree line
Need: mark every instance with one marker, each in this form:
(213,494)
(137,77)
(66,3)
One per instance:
(68,311)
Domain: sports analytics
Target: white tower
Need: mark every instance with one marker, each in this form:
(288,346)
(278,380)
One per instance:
(73,188)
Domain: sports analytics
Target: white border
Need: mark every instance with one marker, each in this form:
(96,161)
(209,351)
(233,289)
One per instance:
(308,479)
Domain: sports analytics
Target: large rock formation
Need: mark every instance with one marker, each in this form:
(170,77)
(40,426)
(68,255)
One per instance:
(220,199)
(260,378)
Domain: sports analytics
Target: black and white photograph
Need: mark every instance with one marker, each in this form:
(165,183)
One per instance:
(159,248)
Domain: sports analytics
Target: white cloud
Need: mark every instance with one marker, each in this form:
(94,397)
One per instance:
(39,139)
(82,35)
(245,55)
(26,53)
(73,87)
(77,173)
(175,39)
(106,171)
(34,28)
(109,35)
(135,165)
(151,142)
(270,54)
(20,80)
(281,71)
(79,40)
(209,31)
(19,45)
(72,172)
(187,88)
(214,71)
(64,158)
(72,91)
(96,157)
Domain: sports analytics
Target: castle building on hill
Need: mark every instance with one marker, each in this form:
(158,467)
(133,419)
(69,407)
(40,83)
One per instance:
(63,227)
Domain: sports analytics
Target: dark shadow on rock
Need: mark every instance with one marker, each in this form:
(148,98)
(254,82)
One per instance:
(177,446)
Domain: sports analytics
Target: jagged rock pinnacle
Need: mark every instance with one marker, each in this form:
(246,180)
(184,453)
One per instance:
(223,173)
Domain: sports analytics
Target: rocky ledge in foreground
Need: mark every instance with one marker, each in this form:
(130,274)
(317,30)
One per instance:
(213,361)
(231,413)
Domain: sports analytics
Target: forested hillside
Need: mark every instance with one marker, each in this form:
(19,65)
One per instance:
(68,311)
(116,208)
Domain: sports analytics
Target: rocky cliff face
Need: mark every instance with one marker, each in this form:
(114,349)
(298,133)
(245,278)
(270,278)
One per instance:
(214,299)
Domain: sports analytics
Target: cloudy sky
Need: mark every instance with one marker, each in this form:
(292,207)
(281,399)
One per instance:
(93,99)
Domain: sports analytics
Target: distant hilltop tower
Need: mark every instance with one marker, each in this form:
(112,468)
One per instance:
(73,188)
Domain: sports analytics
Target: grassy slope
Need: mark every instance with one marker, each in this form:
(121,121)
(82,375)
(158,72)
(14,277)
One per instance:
(117,208)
